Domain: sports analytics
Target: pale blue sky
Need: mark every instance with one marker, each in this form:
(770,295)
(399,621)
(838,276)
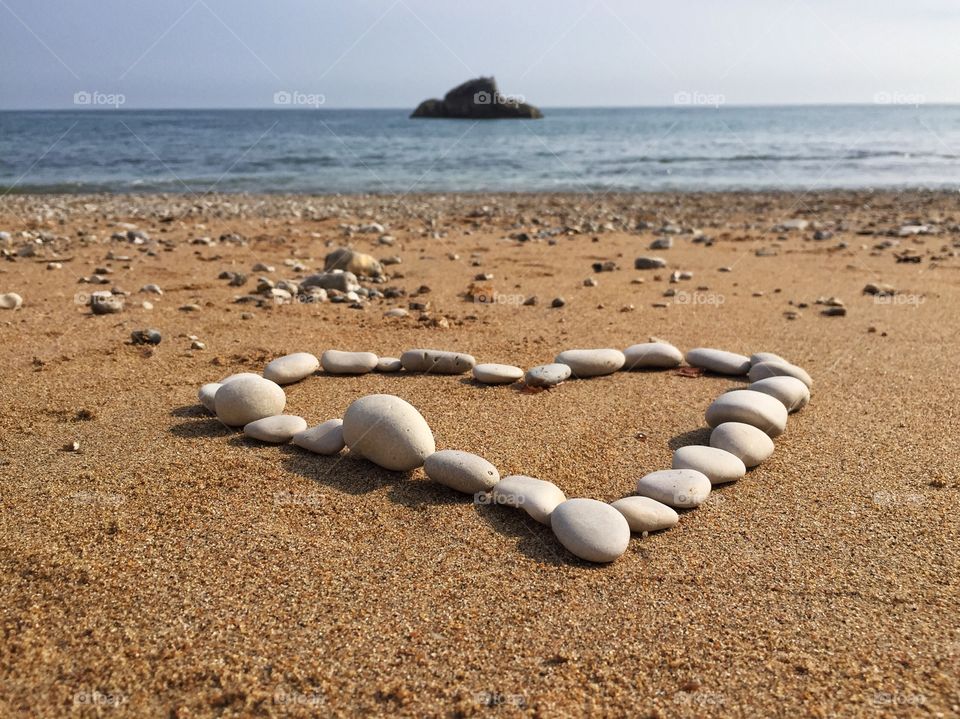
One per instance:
(394,53)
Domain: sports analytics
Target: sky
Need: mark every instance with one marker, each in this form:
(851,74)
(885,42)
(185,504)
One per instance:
(553,53)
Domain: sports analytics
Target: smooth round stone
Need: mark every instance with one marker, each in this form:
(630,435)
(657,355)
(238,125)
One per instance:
(744,405)
(207,395)
(291,368)
(337,362)
(758,357)
(652,355)
(719,465)
(278,429)
(644,514)
(768,369)
(326,438)
(536,497)
(388,431)
(547,375)
(247,399)
(437,361)
(239,375)
(591,363)
(388,364)
(679,488)
(497,373)
(750,444)
(462,471)
(10,301)
(792,392)
(719,361)
(592,530)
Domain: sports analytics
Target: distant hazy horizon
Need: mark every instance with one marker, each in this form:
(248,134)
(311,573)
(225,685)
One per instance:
(391,54)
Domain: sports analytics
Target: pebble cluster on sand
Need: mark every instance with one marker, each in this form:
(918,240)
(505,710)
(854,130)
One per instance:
(391,433)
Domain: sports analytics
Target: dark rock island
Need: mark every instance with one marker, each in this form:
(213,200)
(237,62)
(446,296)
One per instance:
(478,99)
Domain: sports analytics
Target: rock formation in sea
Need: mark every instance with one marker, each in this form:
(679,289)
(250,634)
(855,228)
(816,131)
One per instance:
(477,99)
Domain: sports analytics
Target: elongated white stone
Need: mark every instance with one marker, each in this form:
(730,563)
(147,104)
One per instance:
(547,375)
(644,514)
(719,465)
(591,362)
(719,361)
(750,444)
(291,368)
(652,355)
(244,400)
(326,438)
(278,429)
(497,373)
(462,471)
(437,361)
(536,497)
(591,530)
(744,405)
(792,392)
(338,362)
(763,370)
(388,431)
(680,488)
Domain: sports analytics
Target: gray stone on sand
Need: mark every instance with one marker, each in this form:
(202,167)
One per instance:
(547,375)
(678,488)
(246,399)
(339,362)
(718,465)
(750,444)
(278,429)
(651,355)
(744,405)
(649,263)
(291,368)
(490,373)
(792,392)
(764,370)
(462,471)
(719,361)
(644,514)
(388,364)
(207,395)
(591,362)
(437,361)
(326,438)
(591,530)
(388,431)
(537,497)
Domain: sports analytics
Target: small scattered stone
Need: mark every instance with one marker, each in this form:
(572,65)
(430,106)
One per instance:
(558,302)
(197,345)
(326,438)
(678,488)
(644,514)
(462,471)
(152,289)
(661,243)
(536,497)
(834,312)
(591,530)
(649,263)
(718,465)
(338,362)
(291,368)
(146,337)
(105,303)
(750,444)
(278,429)
(547,375)
(358,263)
(490,373)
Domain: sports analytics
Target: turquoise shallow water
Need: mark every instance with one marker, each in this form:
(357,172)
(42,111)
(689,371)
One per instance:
(328,151)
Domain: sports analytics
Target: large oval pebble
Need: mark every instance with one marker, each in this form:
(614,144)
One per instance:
(763,370)
(278,429)
(547,375)
(536,497)
(750,444)
(644,514)
(10,301)
(591,530)
(496,373)
(247,399)
(719,361)
(592,362)
(437,361)
(207,395)
(338,362)
(681,488)
(388,431)
(792,392)
(462,471)
(326,438)
(719,465)
(291,368)
(744,405)
(652,355)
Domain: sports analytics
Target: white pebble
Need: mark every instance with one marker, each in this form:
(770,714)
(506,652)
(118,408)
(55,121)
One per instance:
(791,391)
(591,530)
(239,375)
(462,471)
(388,364)
(536,497)
(547,375)
(750,444)
(764,370)
(744,405)
(244,400)
(326,438)
(591,362)
(388,431)
(291,368)
(679,488)
(644,514)
(652,355)
(278,429)
(337,362)
(10,301)
(719,465)
(719,361)
(437,361)
(207,395)
(497,373)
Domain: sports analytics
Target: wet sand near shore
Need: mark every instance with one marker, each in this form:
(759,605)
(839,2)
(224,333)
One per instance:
(170,567)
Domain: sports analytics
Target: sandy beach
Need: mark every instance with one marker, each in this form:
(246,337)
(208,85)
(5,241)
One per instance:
(165,566)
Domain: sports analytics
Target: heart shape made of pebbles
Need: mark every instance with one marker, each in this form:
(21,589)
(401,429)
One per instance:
(391,433)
